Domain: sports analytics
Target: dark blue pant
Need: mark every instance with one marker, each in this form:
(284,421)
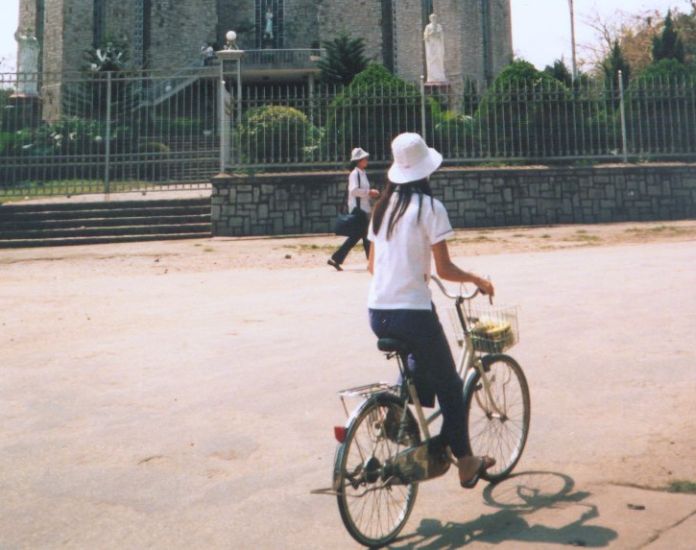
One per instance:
(340,255)
(431,365)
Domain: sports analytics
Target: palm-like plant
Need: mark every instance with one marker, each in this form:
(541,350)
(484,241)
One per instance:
(345,58)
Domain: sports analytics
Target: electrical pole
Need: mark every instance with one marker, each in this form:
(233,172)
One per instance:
(572,38)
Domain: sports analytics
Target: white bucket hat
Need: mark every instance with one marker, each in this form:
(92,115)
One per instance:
(413,159)
(358,154)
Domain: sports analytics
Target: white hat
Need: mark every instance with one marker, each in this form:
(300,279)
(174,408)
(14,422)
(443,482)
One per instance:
(358,154)
(413,159)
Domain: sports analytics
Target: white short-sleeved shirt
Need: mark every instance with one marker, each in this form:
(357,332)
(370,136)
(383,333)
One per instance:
(402,264)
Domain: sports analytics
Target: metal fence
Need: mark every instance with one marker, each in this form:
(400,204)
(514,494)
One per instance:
(67,134)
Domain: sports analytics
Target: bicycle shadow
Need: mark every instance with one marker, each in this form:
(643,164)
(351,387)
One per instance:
(518,496)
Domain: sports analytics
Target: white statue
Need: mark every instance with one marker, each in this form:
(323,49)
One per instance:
(28,50)
(268,31)
(434,37)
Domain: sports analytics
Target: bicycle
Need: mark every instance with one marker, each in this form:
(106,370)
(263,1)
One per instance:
(384,450)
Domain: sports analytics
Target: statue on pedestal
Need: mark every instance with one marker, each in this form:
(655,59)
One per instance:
(268,29)
(434,37)
(28,50)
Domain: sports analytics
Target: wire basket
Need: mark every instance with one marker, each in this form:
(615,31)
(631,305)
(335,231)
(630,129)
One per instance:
(492,329)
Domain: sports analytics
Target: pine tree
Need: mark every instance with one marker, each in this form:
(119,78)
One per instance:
(614,63)
(668,45)
(345,58)
(560,72)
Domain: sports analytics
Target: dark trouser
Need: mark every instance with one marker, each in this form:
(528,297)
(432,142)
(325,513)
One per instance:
(340,255)
(431,365)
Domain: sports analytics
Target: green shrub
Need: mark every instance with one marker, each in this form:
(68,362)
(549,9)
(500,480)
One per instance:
(275,133)
(523,114)
(376,107)
(660,107)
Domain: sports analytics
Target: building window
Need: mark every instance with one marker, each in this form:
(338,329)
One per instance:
(270,23)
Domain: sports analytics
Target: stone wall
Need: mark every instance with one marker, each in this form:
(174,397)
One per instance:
(357,19)
(309,203)
(178,31)
(408,29)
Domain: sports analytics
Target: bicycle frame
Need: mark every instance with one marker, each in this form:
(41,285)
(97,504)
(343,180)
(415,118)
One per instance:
(467,363)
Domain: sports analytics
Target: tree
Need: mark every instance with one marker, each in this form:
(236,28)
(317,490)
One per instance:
(559,70)
(668,45)
(615,62)
(345,58)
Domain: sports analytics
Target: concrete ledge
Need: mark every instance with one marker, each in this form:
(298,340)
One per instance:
(307,202)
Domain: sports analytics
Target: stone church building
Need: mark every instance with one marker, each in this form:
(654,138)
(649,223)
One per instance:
(168,34)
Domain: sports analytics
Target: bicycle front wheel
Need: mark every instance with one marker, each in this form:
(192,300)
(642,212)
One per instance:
(374,506)
(498,412)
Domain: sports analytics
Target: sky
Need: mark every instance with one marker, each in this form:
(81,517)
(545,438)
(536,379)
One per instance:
(540,28)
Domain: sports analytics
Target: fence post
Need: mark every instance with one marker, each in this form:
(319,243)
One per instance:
(622,107)
(223,119)
(107,152)
(422,92)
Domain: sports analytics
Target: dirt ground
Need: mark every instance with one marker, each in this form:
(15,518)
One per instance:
(183,394)
(223,253)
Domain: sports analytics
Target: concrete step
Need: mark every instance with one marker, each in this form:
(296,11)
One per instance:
(31,243)
(11,208)
(23,215)
(27,223)
(203,228)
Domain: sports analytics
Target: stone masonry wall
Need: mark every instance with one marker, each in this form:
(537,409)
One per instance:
(409,39)
(357,19)
(309,203)
(178,31)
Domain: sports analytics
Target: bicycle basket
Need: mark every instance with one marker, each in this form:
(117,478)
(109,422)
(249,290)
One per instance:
(493,329)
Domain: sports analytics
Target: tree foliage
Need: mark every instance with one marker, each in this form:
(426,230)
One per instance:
(613,63)
(560,71)
(668,45)
(345,59)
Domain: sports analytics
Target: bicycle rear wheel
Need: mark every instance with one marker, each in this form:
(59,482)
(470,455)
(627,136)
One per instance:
(498,423)
(374,506)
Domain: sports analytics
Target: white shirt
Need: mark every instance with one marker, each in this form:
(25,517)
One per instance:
(402,264)
(359,187)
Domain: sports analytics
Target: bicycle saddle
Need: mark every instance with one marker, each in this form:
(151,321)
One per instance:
(392,345)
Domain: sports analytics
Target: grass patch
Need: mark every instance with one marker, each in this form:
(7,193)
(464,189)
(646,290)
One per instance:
(208,249)
(682,486)
(661,230)
(518,236)
(470,240)
(584,238)
(545,236)
(313,247)
(581,231)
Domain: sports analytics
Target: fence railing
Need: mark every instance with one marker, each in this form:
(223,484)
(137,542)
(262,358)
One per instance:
(73,133)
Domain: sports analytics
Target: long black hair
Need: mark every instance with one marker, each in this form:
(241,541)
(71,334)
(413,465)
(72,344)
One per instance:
(405,192)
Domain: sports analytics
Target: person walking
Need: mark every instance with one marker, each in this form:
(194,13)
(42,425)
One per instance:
(359,194)
(408,228)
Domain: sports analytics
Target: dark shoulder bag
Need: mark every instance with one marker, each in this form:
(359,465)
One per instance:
(354,223)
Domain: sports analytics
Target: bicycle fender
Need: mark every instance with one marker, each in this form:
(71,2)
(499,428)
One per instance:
(378,398)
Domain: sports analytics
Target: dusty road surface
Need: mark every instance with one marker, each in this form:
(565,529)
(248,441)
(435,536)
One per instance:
(182,395)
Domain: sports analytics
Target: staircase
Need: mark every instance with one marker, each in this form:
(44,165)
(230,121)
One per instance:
(57,224)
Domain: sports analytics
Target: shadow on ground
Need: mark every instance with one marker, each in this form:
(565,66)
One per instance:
(518,498)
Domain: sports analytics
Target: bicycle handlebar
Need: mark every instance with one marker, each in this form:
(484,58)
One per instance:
(468,296)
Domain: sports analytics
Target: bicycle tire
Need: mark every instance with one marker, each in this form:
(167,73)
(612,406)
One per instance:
(356,470)
(487,430)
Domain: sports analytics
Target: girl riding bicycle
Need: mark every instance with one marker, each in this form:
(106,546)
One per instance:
(408,226)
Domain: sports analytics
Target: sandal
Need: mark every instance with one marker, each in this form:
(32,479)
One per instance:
(335,265)
(485,462)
